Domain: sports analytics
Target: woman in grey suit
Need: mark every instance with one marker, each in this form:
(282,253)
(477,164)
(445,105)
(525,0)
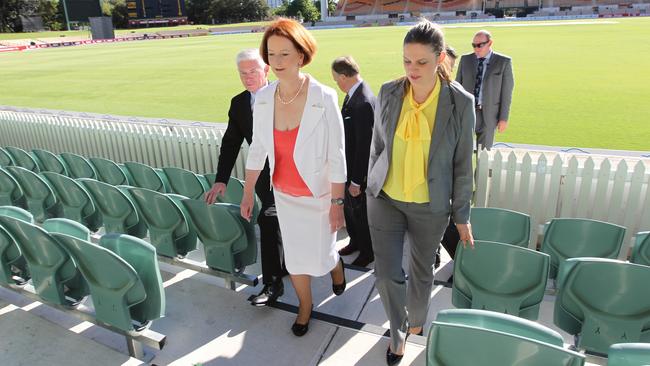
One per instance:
(420,173)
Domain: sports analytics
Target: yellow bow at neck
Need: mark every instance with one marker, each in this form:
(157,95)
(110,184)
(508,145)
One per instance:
(414,130)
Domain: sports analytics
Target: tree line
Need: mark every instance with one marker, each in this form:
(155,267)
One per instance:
(52,13)
(198,12)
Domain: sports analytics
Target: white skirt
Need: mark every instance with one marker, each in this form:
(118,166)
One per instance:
(308,243)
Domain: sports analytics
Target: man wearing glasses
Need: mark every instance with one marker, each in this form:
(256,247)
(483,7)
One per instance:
(487,75)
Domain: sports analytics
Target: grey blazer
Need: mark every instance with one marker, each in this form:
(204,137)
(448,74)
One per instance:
(449,172)
(498,84)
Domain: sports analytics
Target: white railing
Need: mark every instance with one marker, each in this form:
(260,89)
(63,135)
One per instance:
(158,143)
(547,184)
(544,184)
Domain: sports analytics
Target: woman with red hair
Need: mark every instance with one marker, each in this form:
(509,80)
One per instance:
(298,126)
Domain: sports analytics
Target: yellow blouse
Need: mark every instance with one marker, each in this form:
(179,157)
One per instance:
(407,174)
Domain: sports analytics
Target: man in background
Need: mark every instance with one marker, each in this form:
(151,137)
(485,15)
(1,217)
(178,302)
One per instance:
(253,73)
(487,75)
(358,117)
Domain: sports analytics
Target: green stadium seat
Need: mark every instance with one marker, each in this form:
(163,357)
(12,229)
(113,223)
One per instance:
(109,172)
(78,167)
(500,322)
(457,344)
(49,162)
(170,228)
(22,158)
(229,240)
(234,194)
(118,212)
(114,285)
(142,257)
(5,158)
(145,176)
(500,225)
(54,274)
(17,213)
(603,301)
(204,182)
(571,238)
(210,178)
(73,200)
(234,191)
(164,179)
(39,197)
(629,354)
(126,172)
(13,267)
(641,249)
(11,194)
(184,182)
(500,277)
(67,227)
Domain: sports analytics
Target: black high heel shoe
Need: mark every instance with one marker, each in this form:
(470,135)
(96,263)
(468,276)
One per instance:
(300,330)
(339,289)
(392,358)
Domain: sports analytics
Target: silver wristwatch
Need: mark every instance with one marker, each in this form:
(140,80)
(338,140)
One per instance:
(337,201)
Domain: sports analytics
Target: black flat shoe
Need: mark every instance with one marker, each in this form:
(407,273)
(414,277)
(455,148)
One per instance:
(339,289)
(300,330)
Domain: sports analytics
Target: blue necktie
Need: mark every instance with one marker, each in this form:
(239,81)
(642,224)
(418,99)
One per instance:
(479,79)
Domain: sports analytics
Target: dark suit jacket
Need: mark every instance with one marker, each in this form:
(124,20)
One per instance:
(450,173)
(240,128)
(358,117)
(498,84)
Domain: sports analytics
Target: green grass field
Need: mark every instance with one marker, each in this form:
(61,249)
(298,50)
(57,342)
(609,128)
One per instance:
(583,85)
(86,33)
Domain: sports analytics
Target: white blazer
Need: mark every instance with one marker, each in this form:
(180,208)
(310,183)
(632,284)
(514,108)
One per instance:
(320,146)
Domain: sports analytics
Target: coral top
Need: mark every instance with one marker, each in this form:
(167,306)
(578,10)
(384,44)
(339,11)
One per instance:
(286,178)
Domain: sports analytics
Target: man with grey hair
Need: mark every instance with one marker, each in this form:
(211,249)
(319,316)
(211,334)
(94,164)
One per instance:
(487,75)
(253,73)
(358,117)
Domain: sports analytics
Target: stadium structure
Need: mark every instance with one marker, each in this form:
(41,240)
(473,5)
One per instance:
(450,10)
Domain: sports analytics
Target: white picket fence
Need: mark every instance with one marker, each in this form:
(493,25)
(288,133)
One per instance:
(547,184)
(158,143)
(544,184)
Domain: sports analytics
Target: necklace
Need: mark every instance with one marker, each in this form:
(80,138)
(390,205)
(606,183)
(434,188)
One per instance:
(294,97)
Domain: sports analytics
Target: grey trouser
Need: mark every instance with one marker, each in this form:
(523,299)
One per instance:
(390,221)
(484,133)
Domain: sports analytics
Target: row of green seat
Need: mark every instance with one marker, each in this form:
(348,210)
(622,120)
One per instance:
(563,237)
(165,180)
(173,222)
(120,273)
(512,280)
(501,339)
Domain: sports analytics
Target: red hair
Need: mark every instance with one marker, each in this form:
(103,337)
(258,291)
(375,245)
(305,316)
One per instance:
(290,29)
